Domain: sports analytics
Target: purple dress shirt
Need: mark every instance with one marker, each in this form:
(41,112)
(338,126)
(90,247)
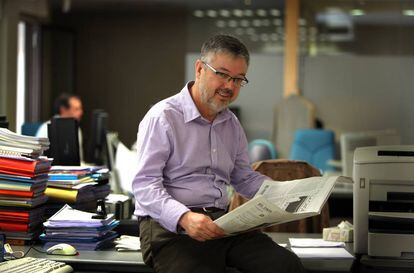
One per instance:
(186,161)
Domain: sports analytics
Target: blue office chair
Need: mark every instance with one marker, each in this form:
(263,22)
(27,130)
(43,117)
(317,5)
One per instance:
(261,149)
(30,128)
(314,146)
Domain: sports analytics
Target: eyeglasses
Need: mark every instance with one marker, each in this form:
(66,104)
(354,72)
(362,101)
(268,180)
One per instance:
(237,81)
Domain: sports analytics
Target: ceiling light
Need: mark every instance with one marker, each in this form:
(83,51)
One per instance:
(408,12)
(238,12)
(248,13)
(264,37)
(254,38)
(277,22)
(66,5)
(250,31)
(232,23)
(274,12)
(244,23)
(198,13)
(211,13)
(221,23)
(265,22)
(357,12)
(261,12)
(239,31)
(224,13)
(274,37)
(256,22)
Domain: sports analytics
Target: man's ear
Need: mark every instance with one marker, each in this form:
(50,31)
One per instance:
(198,67)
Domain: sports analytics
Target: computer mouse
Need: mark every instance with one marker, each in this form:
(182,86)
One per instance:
(62,249)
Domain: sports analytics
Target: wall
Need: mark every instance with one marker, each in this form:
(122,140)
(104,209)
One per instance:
(351,93)
(127,62)
(257,99)
(354,93)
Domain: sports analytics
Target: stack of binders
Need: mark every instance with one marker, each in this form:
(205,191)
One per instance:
(83,230)
(80,187)
(23,178)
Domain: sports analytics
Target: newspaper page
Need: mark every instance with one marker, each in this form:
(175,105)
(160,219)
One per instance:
(280,202)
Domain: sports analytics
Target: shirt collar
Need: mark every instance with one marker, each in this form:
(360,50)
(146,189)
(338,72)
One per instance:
(190,110)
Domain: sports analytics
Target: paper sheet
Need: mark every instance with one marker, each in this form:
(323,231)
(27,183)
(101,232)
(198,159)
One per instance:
(126,162)
(323,252)
(313,242)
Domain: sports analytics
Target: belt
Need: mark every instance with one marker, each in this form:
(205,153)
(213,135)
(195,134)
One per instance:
(207,210)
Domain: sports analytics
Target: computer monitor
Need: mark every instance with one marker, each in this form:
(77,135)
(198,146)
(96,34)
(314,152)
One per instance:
(64,141)
(3,122)
(97,149)
(2,242)
(350,141)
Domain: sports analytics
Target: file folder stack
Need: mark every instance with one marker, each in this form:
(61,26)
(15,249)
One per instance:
(12,144)
(79,229)
(23,178)
(80,187)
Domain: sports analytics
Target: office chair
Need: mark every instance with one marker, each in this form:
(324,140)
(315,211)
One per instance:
(284,170)
(30,128)
(261,149)
(314,146)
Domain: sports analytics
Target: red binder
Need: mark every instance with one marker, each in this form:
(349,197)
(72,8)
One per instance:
(16,193)
(24,167)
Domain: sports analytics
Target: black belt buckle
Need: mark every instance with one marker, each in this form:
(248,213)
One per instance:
(211,209)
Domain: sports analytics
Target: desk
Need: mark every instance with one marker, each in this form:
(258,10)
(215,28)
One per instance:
(113,261)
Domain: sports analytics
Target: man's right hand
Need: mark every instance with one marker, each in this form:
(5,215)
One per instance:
(200,227)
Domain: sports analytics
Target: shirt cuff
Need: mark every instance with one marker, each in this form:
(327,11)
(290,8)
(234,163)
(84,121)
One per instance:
(172,217)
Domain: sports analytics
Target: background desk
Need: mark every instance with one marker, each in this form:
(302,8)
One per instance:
(113,261)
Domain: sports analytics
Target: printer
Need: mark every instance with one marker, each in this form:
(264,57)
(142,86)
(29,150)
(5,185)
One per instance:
(384,201)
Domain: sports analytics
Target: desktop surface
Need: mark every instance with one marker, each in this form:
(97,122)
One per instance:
(112,261)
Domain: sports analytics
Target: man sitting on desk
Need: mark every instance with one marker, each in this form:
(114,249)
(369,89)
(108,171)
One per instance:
(65,106)
(190,148)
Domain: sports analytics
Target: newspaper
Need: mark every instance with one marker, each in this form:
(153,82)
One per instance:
(280,202)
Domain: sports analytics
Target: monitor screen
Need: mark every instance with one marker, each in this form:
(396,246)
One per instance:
(64,141)
(3,122)
(2,241)
(352,140)
(97,149)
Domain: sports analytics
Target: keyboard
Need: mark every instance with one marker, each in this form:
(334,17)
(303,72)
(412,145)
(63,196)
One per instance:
(34,265)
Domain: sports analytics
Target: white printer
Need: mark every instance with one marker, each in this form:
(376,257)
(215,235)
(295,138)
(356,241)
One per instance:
(384,201)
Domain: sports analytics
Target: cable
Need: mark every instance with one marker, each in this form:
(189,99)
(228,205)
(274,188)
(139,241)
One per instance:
(32,247)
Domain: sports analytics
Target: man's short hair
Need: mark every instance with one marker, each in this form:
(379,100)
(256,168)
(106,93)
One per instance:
(63,101)
(222,43)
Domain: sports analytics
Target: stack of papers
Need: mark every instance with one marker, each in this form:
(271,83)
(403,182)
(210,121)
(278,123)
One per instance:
(318,248)
(80,229)
(78,186)
(12,144)
(127,243)
(23,178)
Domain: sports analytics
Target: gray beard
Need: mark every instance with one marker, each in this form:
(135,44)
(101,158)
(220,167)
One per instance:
(216,107)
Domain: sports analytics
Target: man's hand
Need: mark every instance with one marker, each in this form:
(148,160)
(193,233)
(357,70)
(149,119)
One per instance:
(200,227)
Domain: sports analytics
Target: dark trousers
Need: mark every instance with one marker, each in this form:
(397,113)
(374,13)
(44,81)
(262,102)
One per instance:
(253,252)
